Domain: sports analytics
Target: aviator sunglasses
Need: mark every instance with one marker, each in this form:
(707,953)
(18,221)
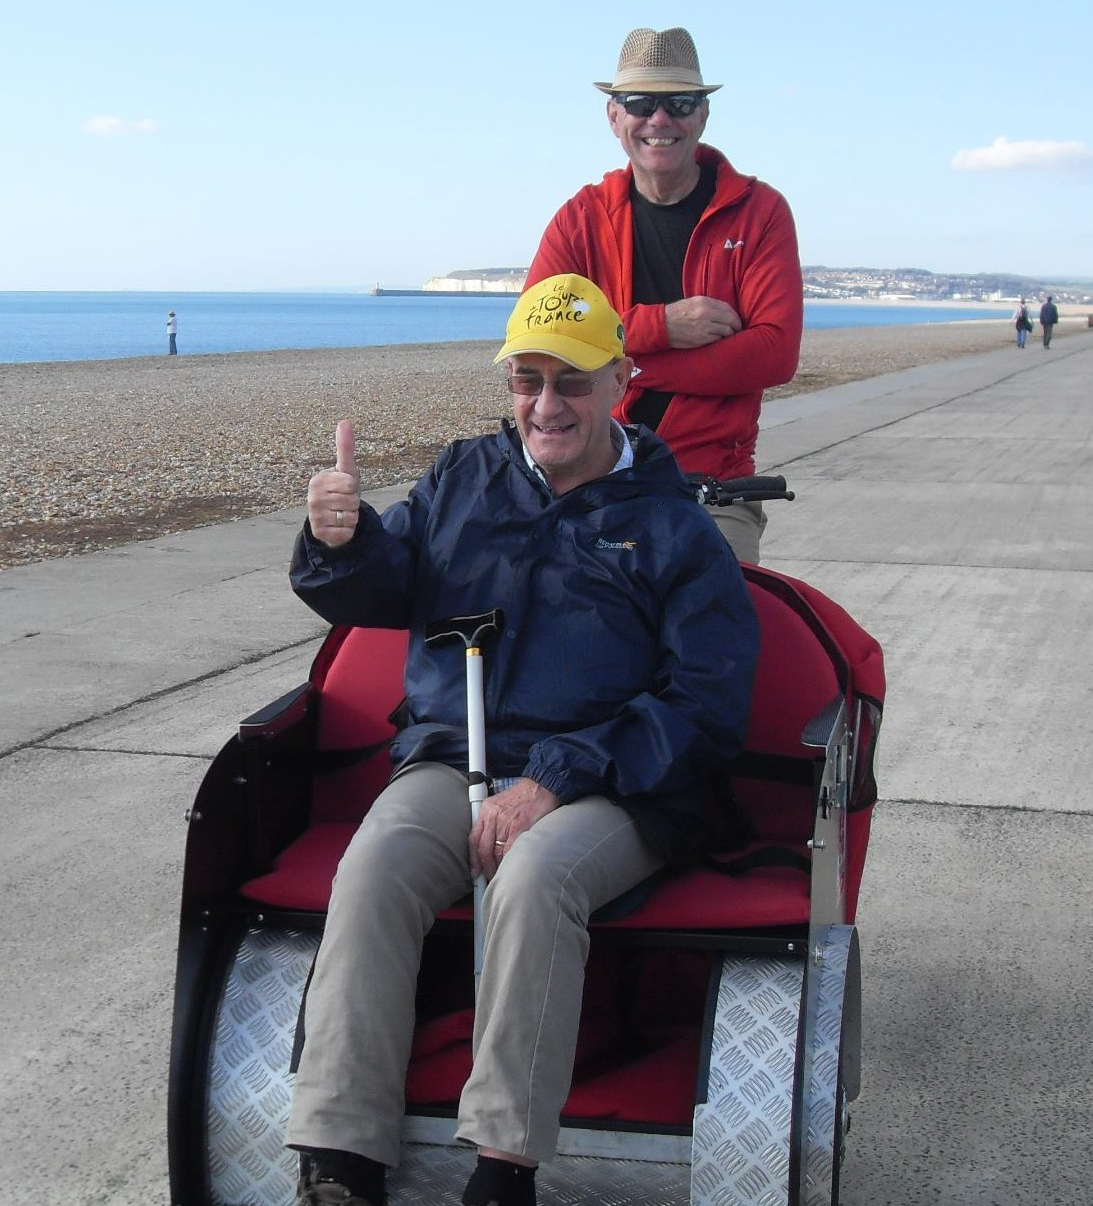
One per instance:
(645,104)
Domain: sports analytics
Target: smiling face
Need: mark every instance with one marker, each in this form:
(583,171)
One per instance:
(661,149)
(569,438)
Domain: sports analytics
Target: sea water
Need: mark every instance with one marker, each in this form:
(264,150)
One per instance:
(105,326)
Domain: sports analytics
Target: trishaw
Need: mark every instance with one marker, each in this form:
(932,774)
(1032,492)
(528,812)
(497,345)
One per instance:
(720,1034)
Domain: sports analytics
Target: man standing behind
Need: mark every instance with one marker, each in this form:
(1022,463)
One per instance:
(701,262)
(1049,316)
(172,331)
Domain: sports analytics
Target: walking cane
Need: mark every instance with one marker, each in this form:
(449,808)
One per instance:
(472,631)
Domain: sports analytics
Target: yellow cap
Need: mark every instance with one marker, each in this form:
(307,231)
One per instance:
(567,317)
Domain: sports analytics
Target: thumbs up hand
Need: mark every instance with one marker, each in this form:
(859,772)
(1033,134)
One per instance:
(334,495)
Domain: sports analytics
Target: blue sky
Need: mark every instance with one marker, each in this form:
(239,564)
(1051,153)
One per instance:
(239,145)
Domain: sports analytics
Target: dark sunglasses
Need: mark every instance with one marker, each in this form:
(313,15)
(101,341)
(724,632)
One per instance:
(532,384)
(645,104)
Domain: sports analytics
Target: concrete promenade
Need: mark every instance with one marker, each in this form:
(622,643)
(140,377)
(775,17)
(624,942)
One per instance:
(948,508)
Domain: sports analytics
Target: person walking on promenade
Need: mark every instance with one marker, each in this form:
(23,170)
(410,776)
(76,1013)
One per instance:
(1022,322)
(172,332)
(1049,316)
(620,684)
(700,260)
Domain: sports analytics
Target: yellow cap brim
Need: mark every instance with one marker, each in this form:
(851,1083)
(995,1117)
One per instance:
(571,351)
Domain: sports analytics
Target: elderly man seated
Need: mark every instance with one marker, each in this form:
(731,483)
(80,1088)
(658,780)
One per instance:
(616,693)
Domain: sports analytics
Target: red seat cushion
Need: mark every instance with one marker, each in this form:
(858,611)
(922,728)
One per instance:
(697,899)
(304,871)
(702,898)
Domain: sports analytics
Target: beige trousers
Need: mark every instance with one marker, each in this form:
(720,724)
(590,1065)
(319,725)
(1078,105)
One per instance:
(408,861)
(742,526)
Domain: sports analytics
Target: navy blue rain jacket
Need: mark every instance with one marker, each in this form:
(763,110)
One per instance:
(629,646)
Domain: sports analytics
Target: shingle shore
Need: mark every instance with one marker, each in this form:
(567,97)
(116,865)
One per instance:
(108,451)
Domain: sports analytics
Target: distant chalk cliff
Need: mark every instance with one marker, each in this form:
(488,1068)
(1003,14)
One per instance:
(478,280)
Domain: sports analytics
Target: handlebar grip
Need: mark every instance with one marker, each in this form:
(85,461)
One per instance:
(715,493)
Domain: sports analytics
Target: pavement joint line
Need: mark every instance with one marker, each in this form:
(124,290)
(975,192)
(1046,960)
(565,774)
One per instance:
(151,697)
(976,566)
(119,749)
(899,387)
(958,806)
(979,389)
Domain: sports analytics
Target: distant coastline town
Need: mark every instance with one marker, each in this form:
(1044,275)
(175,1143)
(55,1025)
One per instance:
(821,284)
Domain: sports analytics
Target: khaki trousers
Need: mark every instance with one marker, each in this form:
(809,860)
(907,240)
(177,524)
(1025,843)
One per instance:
(408,861)
(742,526)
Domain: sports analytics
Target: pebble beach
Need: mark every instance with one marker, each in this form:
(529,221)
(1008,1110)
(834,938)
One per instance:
(104,452)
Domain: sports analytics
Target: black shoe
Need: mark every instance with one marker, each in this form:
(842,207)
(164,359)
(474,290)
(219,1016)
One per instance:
(499,1183)
(329,1193)
(317,1189)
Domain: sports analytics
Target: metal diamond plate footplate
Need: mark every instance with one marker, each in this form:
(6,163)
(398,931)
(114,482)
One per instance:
(435,1176)
(740,1154)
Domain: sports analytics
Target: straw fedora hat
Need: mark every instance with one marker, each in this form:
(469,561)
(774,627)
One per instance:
(654,60)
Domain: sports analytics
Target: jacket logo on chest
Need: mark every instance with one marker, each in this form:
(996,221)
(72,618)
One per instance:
(615,544)
(731,246)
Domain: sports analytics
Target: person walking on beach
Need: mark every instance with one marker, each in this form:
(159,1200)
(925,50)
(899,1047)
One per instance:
(172,331)
(1049,316)
(700,261)
(621,682)
(1022,322)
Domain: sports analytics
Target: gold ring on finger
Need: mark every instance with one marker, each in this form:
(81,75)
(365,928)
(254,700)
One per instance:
(339,519)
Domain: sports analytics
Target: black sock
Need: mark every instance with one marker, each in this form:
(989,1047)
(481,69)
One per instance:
(361,1176)
(500,1182)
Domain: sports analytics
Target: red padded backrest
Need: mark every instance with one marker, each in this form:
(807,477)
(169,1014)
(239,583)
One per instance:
(794,682)
(362,686)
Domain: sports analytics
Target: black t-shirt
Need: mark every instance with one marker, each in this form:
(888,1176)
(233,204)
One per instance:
(661,236)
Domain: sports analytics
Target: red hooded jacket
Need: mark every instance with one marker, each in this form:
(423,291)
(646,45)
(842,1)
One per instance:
(743,251)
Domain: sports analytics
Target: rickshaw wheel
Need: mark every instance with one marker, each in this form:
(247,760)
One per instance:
(832,1034)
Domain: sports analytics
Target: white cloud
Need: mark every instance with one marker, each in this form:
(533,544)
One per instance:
(113,127)
(1004,156)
